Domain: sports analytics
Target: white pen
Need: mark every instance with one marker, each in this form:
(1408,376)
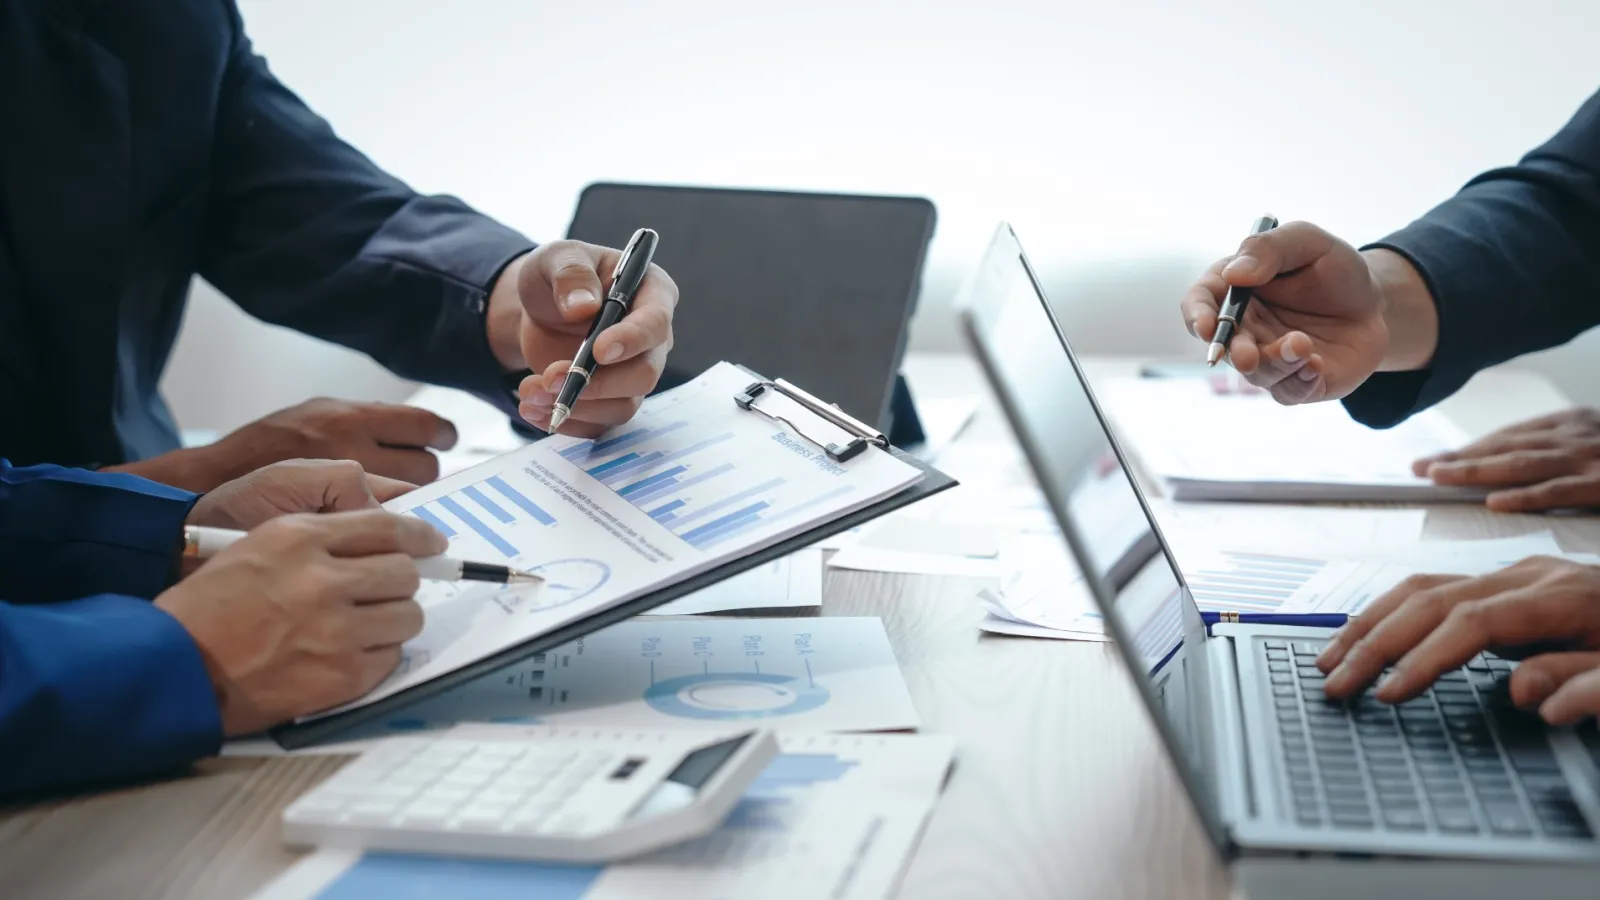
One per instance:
(201,542)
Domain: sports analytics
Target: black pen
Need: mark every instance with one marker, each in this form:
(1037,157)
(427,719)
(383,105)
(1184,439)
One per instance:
(1238,300)
(625,281)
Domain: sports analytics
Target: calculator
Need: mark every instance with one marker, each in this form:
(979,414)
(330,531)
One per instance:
(554,794)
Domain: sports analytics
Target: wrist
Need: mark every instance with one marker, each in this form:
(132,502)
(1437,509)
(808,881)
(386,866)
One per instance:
(502,317)
(1409,313)
(196,469)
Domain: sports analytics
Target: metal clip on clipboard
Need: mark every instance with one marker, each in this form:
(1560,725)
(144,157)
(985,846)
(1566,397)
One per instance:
(861,433)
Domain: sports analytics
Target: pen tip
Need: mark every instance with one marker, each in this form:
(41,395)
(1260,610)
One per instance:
(520,577)
(1214,354)
(558,414)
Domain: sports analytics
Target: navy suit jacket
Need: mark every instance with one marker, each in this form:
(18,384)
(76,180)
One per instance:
(96,683)
(145,142)
(1513,263)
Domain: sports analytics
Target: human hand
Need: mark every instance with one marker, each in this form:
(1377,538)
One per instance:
(1552,462)
(304,613)
(540,311)
(385,438)
(1315,329)
(1431,624)
(293,486)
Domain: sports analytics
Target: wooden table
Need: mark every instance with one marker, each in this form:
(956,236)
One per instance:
(1060,788)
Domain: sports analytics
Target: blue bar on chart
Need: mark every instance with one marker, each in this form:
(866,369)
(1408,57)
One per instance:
(473,522)
(800,770)
(728,501)
(520,501)
(1251,582)
(422,513)
(627,470)
(605,467)
(674,484)
(663,513)
(652,481)
(472,493)
(716,528)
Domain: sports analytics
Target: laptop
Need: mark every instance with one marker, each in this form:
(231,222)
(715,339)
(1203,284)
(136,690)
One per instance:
(1455,794)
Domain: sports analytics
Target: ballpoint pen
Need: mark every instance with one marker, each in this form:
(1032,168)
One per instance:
(1233,307)
(1302,620)
(625,281)
(201,542)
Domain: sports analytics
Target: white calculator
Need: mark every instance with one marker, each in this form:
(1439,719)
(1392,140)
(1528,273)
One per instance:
(556,794)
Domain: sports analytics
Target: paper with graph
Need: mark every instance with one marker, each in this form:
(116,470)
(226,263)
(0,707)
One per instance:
(692,482)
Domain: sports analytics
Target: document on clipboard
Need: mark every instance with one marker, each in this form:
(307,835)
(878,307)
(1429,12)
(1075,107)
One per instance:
(711,478)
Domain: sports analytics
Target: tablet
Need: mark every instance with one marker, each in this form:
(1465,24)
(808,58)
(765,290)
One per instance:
(814,288)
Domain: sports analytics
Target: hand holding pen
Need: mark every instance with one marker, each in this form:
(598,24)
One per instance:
(626,279)
(1233,309)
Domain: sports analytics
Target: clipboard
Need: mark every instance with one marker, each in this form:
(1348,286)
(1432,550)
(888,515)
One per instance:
(298,735)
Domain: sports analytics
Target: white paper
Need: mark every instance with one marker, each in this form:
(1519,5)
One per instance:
(691,482)
(788,582)
(833,816)
(1199,527)
(1207,445)
(876,559)
(943,419)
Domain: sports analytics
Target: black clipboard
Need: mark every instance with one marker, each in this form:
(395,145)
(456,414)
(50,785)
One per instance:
(295,736)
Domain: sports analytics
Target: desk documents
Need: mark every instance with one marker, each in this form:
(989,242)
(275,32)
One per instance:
(1314,452)
(833,816)
(693,481)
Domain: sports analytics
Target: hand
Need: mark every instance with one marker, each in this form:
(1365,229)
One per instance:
(386,439)
(1316,328)
(1430,624)
(295,486)
(305,613)
(1552,462)
(540,311)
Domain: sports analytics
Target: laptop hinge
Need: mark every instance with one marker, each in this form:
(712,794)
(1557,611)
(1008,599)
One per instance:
(1230,755)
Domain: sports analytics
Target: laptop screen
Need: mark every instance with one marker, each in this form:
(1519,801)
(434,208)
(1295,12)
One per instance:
(1105,521)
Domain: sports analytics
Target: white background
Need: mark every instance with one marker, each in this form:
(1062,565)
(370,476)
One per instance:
(1129,142)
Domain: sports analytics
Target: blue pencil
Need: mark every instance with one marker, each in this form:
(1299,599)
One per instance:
(1304,620)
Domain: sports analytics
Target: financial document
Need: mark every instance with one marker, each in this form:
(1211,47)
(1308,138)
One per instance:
(691,482)
(834,816)
(789,582)
(1271,452)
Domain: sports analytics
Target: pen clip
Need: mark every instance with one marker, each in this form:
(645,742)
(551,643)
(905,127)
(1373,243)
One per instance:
(862,435)
(628,250)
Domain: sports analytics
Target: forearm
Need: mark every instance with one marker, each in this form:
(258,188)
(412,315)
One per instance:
(197,469)
(1409,311)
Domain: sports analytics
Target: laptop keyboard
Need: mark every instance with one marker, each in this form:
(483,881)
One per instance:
(1460,760)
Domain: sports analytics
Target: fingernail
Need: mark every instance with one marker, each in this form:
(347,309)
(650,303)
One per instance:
(1539,687)
(540,398)
(1192,332)
(532,413)
(580,297)
(446,438)
(1308,374)
(1289,356)
(1329,657)
(610,353)
(1241,264)
(1389,686)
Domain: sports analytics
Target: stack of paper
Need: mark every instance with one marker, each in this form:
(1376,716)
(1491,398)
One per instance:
(833,816)
(1207,445)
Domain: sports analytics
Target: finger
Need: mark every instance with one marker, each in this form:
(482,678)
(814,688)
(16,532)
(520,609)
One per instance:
(415,466)
(375,665)
(375,531)
(565,271)
(1201,302)
(1517,616)
(1578,698)
(1359,626)
(1514,468)
(648,324)
(1245,357)
(631,379)
(1503,442)
(383,576)
(387,623)
(1571,492)
(605,412)
(394,425)
(1537,678)
(1405,627)
(344,483)
(1263,257)
(385,489)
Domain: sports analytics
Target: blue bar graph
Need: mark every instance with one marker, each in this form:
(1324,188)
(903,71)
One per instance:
(694,534)
(476,496)
(800,770)
(823,498)
(725,502)
(605,467)
(476,524)
(422,513)
(727,530)
(665,510)
(521,502)
(652,480)
(669,486)
(633,465)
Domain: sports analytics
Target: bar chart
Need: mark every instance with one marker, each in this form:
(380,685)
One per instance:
(696,486)
(470,509)
(1251,582)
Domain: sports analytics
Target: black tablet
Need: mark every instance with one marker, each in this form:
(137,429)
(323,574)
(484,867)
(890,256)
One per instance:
(815,288)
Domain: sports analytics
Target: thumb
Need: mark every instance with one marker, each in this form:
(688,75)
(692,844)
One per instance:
(561,286)
(1537,678)
(1263,257)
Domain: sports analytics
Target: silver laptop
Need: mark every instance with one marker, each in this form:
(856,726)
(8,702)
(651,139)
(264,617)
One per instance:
(1455,794)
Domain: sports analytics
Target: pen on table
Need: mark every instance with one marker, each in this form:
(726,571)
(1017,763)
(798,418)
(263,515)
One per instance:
(625,281)
(200,542)
(1302,620)
(1233,307)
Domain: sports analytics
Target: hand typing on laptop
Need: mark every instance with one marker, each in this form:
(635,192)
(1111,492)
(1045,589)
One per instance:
(1432,624)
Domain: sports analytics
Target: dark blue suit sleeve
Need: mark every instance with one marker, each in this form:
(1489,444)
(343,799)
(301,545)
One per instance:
(68,533)
(1513,263)
(99,690)
(308,233)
